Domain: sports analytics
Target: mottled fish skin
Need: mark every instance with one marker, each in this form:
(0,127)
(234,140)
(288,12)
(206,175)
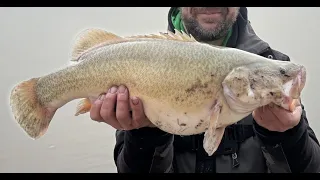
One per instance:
(170,71)
(186,86)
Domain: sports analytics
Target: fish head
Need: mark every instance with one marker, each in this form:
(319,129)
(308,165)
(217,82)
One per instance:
(257,84)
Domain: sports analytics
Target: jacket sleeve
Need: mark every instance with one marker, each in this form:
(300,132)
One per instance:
(147,150)
(295,150)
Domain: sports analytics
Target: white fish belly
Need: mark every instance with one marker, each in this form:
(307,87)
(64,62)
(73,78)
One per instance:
(179,121)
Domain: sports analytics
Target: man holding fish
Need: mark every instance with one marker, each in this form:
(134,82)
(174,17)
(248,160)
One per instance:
(271,139)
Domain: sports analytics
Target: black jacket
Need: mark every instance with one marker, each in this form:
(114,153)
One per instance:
(246,147)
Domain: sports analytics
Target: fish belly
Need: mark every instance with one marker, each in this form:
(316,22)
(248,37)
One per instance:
(178,120)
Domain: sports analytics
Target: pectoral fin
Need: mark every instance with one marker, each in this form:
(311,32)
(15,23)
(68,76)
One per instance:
(83,106)
(213,135)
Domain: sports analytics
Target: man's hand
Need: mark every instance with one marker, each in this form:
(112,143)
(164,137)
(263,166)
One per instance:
(275,118)
(103,110)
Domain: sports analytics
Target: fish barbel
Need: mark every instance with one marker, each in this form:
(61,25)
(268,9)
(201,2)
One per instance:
(187,87)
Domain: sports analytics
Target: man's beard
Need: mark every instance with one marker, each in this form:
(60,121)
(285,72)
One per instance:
(201,34)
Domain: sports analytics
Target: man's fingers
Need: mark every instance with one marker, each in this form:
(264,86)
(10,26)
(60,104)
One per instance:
(276,118)
(287,118)
(122,110)
(265,118)
(107,108)
(103,110)
(257,114)
(138,116)
(95,109)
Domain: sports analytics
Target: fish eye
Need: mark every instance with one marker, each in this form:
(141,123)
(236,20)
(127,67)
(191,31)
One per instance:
(283,72)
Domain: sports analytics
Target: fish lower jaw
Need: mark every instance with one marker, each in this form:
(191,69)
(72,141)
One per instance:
(288,103)
(294,87)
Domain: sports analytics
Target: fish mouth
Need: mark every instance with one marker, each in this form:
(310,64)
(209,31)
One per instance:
(292,90)
(301,78)
(294,87)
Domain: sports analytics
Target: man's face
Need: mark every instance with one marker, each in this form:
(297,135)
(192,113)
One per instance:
(209,23)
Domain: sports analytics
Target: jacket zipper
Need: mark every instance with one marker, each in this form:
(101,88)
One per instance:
(235,161)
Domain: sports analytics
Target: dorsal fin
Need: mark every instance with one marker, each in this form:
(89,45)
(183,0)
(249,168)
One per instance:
(90,38)
(177,36)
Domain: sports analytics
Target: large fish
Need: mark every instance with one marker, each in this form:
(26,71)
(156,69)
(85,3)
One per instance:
(187,87)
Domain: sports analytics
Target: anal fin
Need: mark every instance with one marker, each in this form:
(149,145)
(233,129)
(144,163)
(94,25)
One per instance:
(83,106)
(213,135)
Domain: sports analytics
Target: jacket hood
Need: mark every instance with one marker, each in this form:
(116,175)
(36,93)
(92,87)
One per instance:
(243,36)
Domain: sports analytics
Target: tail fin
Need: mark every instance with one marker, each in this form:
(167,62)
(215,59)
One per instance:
(30,114)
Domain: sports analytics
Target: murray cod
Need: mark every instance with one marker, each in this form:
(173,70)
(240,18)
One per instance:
(186,87)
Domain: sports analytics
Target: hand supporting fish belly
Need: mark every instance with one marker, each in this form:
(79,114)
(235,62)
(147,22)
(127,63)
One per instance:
(187,87)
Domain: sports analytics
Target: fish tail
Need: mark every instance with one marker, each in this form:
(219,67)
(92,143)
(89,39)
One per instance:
(31,115)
